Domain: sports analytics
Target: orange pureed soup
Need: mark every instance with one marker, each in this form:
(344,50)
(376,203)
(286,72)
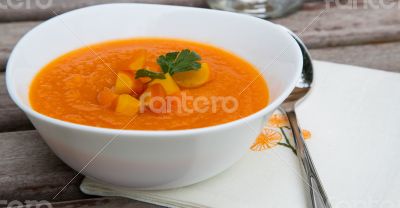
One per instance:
(82,86)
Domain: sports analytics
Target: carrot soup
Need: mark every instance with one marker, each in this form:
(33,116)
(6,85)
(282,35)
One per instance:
(148,84)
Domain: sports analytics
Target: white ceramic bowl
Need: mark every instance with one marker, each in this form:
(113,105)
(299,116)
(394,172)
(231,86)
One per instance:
(154,159)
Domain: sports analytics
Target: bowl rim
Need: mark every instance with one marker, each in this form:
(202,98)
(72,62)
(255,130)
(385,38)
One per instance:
(131,132)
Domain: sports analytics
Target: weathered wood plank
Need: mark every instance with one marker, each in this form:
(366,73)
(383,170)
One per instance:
(27,10)
(334,27)
(104,202)
(348,37)
(6,101)
(11,117)
(4,53)
(322,25)
(383,56)
(340,18)
(98,202)
(29,170)
(10,33)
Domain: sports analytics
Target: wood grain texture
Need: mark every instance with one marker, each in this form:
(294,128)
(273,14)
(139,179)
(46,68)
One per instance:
(28,10)
(96,202)
(11,117)
(3,58)
(5,100)
(29,170)
(104,202)
(319,28)
(347,37)
(10,33)
(322,25)
(384,56)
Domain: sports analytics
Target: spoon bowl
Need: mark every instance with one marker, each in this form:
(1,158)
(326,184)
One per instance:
(304,84)
(319,198)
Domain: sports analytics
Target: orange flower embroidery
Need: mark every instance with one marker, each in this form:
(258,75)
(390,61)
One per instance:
(306,134)
(267,139)
(277,132)
(278,120)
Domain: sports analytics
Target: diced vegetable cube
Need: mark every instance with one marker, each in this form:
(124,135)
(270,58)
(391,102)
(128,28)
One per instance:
(127,84)
(168,84)
(155,90)
(106,97)
(127,105)
(194,78)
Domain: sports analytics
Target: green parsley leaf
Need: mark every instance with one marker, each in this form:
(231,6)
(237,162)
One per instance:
(166,61)
(148,73)
(186,61)
(178,61)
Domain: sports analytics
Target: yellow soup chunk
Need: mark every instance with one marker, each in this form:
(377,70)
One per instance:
(194,78)
(127,105)
(127,84)
(168,83)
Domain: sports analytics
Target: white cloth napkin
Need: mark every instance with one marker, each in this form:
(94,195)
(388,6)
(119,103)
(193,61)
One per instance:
(353,114)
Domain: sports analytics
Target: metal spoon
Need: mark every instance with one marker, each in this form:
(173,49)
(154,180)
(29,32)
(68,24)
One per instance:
(318,195)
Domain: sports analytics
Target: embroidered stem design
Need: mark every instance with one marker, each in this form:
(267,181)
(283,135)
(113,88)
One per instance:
(271,136)
(287,144)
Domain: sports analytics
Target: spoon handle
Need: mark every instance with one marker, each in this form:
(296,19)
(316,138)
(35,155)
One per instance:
(318,195)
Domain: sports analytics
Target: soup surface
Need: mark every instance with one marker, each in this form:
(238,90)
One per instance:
(68,88)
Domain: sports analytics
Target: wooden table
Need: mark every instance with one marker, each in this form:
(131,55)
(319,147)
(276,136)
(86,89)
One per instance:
(30,171)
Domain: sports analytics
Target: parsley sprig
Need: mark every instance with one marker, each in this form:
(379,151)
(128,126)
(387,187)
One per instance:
(148,73)
(179,61)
